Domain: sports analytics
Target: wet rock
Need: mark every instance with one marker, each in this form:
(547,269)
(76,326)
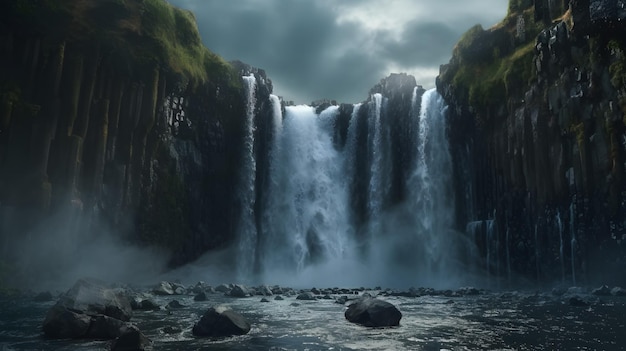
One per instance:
(371,312)
(201,296)
(278,298)
(265,290)
(220,322)
(61,323)
(164,288)
(469,291)
(104,327)
(306,296)
(90,309)
(577,302)
(239,291)
(617,291)
(43,297)
(265,300)
(223,288)
(602,291)
(174,304)
(148,304)
(132,340)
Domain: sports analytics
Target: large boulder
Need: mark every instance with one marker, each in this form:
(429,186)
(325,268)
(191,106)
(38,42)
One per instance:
(221,321)
(90,309)
(239,291)
(372,312)
(164,288)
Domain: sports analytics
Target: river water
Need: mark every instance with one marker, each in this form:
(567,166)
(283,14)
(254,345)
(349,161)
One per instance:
(487,321)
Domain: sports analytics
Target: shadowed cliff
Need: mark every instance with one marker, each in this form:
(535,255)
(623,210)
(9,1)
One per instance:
(537,126)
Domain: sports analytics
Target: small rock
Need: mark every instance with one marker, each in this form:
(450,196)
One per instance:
(265,300)
(371,312)
(617,291)
(577,302)
(164,288)
(306,296)
(223,288)
(132,340)
(602,291)
(174,304)
(171,330)
(278,298)
(43,297)
(220,321)
(148,305)
(201,296)
(239,291)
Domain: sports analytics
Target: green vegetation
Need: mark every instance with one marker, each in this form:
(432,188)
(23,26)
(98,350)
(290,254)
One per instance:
(491,65)
(137,34)
(617,69)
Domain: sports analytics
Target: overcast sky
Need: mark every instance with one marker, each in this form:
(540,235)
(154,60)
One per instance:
(338,49)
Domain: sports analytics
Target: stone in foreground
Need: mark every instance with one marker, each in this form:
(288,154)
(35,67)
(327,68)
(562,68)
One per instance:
(132,340)
(372,312)
(90,309)
(221,321)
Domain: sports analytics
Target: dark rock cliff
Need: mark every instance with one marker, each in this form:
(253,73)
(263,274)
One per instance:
(536,124)
(114,112)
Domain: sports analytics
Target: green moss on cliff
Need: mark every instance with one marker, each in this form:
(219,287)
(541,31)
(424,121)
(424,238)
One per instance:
(491,65)
(135,33)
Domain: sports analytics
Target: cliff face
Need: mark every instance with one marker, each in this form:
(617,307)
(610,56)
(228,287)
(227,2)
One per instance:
(536,121)
(114,112)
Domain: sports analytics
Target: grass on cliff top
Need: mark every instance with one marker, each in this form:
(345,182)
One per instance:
(491,65)
(141,33)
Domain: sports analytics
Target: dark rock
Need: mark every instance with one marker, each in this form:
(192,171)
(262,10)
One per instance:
(278,298)
(61,323)
(104,327)
(315,291)
(306,296)
(327,297)
(43,297)
(219,322)
(239,291)
(342,299)
(164,288)
(265,300)
(223,288)
(294,304)
(469,291)
(148,305)
(82,307)
(174,304)
(373,313)
(602,291)
(201,296)
(577,302)
(617,291)
(132,340)
(265,290)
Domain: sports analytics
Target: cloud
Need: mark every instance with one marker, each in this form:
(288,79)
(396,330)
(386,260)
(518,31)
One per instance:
(338,49)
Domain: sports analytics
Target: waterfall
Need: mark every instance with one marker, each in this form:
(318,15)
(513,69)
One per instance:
(572,229)
(309,227)
(246,231)
(561,243)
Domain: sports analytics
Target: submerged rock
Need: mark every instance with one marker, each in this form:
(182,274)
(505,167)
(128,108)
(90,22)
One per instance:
(201,296)
(602,291)
(372,312)
(306,296)
(221,321)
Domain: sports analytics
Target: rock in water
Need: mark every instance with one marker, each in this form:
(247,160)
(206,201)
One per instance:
(602,291)
(90,309)
(221,321)
(239,291)
(372,312)
(164,288)
(132,340)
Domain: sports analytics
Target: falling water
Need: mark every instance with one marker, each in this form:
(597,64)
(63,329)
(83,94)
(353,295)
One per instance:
(377,166)
(537,261)
(559,224)
(246,231)
(572,229)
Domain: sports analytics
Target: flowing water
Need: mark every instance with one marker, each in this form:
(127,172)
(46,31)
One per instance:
(488,321)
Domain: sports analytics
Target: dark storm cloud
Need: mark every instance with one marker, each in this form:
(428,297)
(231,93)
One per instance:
(323,48)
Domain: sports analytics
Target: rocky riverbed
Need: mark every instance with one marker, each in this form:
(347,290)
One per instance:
(314,319)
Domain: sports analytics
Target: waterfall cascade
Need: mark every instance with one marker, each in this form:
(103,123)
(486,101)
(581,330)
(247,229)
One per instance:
(311,227)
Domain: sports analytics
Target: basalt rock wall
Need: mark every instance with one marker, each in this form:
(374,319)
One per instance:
(536,123)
